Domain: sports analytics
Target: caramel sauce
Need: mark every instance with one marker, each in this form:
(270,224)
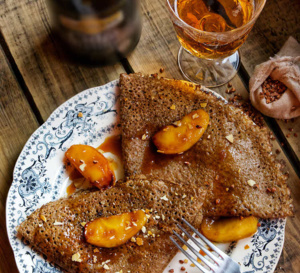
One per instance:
(71,189)
(202,252)
(112,144)
(153,160)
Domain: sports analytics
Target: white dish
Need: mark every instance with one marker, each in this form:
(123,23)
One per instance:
(39,177)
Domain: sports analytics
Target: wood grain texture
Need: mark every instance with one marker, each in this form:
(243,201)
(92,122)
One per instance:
(48,74)
(278,20)
(157,49)
(17,123)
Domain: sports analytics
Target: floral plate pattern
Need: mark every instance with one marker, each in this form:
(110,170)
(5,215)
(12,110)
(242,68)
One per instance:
(39,177)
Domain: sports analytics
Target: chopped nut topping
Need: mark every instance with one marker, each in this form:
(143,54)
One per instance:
(144,137)
(246,247)
(187,163)
(95,161)
(95,259)
(227,189)
(183,196)
(185,247)
(195,116)
(239,170)
(80,115)
(272,190)
(58,223)
(177,123)
(83,223)
(148,216)
(164,198)
(176,193)
(139,241)
(163,217)
(208,137)
(133,239)
(159,151)
(82,166)
(96,250)
(106,267)
(43,218)
(173,107)
(192,198)
(251,182)
(203,104)
(230,138)
(144,229)
(76,257)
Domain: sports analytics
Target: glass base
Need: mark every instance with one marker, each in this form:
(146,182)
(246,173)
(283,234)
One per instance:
(209,73)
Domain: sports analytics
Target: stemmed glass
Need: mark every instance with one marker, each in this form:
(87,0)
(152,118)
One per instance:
(210,58)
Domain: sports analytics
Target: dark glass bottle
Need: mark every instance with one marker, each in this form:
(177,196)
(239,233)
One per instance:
(97,31)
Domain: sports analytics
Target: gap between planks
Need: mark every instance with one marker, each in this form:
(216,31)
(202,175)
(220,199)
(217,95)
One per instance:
(20,80)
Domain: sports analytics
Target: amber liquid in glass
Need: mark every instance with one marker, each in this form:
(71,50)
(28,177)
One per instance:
(212,16)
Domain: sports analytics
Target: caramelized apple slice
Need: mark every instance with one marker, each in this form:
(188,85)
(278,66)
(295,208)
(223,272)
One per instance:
(114,230)
(91,164)
(226,230)
(182,134)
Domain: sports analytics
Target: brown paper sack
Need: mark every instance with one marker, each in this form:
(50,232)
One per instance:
(285,67)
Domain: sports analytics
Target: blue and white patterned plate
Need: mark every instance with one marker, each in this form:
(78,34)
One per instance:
(39,177)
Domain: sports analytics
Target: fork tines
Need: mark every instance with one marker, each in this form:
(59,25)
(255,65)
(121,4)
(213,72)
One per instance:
(217,260)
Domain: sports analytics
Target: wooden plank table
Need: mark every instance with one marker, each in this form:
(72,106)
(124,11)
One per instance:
(35,78)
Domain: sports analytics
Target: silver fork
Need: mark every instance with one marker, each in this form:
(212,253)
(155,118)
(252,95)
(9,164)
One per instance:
(222,264)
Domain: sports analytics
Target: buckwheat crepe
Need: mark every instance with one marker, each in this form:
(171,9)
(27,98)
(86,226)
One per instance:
(233,157)
(56,229)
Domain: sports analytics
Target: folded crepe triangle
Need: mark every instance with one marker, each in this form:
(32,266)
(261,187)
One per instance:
(233,157)
(56,229)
